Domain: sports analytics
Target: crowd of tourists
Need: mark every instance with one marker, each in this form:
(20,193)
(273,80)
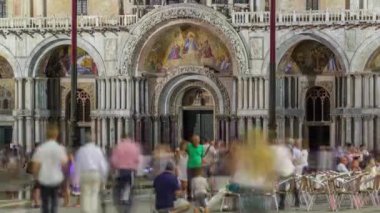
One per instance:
(183,177)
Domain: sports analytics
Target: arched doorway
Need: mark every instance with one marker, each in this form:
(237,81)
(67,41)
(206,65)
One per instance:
(7,103)
(54,85)
(197,114)
(318,119)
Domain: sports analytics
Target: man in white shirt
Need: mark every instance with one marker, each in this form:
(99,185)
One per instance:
(48,161)
(92,168)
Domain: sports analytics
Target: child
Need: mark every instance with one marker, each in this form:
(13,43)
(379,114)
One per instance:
(199,190)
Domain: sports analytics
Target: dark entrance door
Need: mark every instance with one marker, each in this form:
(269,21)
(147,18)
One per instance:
(319,136)
(5,135)
(199,122)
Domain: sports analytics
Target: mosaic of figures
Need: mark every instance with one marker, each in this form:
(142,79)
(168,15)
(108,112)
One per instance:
(197,97)
(5,69)
(374,62)
(310,57)
(187,45)
(57,63)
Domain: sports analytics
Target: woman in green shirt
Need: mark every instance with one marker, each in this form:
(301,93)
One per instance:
(196,153)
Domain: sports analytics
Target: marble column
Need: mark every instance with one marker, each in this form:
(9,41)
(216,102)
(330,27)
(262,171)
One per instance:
(119,128)
(63,129)
(16,94)
(112,132)
(366,91)
(252,5)
(108,93)
(227,127)
(377,134)
(128,93)
(241,127)
(20,130)
(173,130)
(245,95)
(93,129)
(240,93)
(377,91)
(37,130)
(371,133)
(250,82)
(99,131)
(266,87)
(258,123)
(365,131)
(104,142)
(358,135)
(349,91)
(265,125)
(156,129)
(349,130)
(358,91)
(118,97)
(102,94)
(250,121)
(300,129)
(261,91)
(123,104)
(113,93)
(256,92)
(292,127)
(127,126)
(20,93)
(332,132)
(146,89)
(137,95)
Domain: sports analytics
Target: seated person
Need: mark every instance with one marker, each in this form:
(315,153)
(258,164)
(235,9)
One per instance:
(200,189)
(342,166)
(167,188)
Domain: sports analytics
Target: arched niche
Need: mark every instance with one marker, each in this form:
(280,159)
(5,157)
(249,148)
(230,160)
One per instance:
(373,63)
(310,57)
(186,44)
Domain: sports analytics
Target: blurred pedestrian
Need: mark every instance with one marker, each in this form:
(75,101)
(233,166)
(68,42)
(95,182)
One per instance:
(48,161)
(92,169)
(182,158)
(125,160)
(196,153)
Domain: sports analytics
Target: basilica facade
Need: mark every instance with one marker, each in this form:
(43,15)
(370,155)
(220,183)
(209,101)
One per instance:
(161,71)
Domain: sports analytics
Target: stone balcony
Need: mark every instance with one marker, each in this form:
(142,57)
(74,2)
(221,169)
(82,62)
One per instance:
(305,18)
(238,19)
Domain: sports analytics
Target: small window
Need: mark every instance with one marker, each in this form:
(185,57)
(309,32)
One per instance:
(82,7)
(3,8)
(312,5)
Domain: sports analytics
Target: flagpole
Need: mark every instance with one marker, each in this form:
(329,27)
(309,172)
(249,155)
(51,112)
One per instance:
(73,101)
(272,73)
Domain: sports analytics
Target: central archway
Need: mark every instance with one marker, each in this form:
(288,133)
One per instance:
(170,109)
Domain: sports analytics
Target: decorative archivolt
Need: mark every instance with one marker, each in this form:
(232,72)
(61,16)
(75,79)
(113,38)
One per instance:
(162,84)
(176,11)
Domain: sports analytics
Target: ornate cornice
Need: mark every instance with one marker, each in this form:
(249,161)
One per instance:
(187,11)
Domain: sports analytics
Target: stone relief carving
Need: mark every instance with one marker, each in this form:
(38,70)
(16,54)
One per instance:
(257,44)
(161,83)
(176,11)
(110,48)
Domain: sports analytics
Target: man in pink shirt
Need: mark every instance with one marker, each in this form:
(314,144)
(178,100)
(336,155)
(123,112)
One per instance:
(125,160)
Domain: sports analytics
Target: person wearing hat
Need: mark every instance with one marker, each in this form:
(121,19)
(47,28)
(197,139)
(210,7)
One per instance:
(167,188)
